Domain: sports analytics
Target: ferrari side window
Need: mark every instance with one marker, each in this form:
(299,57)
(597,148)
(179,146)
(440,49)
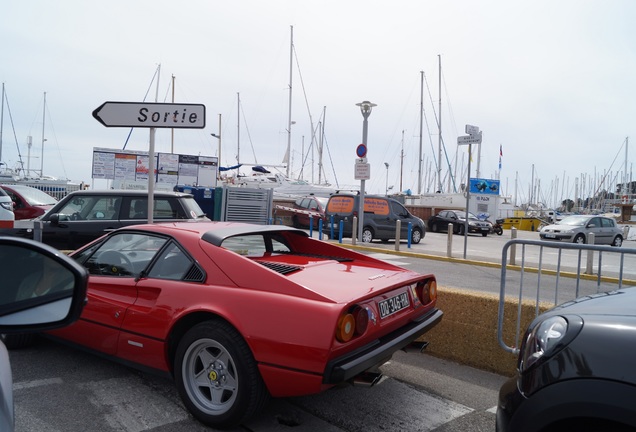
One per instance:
(124,255)
(173,264)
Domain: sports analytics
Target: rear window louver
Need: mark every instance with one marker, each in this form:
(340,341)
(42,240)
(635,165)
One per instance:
(194,275)
(280,268)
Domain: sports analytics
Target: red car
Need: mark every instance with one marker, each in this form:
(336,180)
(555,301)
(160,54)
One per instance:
(236,313)
(28,202)
(313,206)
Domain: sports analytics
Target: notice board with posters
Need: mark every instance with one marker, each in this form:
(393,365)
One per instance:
(169,168)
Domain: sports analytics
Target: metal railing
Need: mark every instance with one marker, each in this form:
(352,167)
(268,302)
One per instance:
(552,273)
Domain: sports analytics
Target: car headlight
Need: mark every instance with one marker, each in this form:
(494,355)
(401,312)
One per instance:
(547,338)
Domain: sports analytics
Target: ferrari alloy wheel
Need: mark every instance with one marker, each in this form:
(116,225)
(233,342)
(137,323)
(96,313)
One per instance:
(216,375)
(367,235)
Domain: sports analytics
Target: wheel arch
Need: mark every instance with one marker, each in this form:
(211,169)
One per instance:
(575,401)
(184,324)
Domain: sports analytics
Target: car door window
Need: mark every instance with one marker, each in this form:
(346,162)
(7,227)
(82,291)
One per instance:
(607,223)
(123,255)
(164,208)
(90,208)
(172,264)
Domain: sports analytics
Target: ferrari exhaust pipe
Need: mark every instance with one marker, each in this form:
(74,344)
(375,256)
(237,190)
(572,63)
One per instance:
(367,379)
(415,347)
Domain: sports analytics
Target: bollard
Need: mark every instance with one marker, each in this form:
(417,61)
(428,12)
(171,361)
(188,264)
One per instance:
(589,265)
(408,235)
(320,229)
(354,230)
(625,232)
(37,231)
(341,226)
(398,228)
(311,226)
(513,248)
(331,236)
(449,241)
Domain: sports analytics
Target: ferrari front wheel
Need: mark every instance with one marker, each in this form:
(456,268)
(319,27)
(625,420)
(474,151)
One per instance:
(216,375)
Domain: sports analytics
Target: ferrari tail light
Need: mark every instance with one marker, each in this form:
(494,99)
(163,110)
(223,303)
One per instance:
(346,327)
(353,322)
(426,291)
(362,320)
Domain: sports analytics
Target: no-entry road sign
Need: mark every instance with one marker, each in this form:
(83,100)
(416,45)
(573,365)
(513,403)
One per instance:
(150,115)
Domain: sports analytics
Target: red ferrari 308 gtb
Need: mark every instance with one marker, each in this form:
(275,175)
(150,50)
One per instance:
(236,313)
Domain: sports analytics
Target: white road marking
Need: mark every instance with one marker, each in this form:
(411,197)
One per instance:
(391,405)
(36,383)
(134,407)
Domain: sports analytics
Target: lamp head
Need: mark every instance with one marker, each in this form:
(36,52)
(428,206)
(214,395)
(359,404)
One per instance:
(365,107)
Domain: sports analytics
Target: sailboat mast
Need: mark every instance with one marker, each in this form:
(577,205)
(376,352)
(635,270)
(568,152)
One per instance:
(419,165)
(172,129)
(289,119)
(321,145)
(439,128)
(43,118)
(402,160)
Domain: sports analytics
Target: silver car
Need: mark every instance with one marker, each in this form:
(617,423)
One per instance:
(578,228)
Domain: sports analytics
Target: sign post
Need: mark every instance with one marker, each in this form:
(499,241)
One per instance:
(151,115)
(473,137)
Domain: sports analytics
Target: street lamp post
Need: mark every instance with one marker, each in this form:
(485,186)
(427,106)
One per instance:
(386,187)
(365,109)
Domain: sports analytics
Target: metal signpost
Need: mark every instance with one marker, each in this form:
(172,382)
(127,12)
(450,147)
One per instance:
(361,164)
(473,137)
(151,115)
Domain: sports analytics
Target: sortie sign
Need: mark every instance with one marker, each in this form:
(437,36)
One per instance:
(151,115)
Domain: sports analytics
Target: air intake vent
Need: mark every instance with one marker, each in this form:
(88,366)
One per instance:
(280,268)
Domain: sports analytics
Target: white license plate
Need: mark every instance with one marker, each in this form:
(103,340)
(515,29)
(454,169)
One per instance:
(394,304)
(549,235)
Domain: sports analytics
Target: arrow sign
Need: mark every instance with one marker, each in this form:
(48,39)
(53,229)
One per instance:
(150,115)
(469,139)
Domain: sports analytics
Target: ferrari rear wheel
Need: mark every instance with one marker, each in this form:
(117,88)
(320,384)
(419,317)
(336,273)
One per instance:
(216,375)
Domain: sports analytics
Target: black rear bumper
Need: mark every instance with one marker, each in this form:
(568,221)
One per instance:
(349,366)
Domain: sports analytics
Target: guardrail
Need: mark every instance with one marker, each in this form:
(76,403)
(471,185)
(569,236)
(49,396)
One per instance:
(564,271)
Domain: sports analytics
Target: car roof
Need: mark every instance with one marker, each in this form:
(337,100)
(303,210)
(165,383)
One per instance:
(127,192)
(216,232)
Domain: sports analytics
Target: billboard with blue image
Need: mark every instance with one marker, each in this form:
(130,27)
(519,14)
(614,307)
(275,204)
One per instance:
(484,186)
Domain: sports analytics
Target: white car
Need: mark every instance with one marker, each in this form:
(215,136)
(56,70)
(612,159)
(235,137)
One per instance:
(6,210)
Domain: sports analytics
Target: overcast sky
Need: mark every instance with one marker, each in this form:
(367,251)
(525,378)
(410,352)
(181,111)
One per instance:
(551,82)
